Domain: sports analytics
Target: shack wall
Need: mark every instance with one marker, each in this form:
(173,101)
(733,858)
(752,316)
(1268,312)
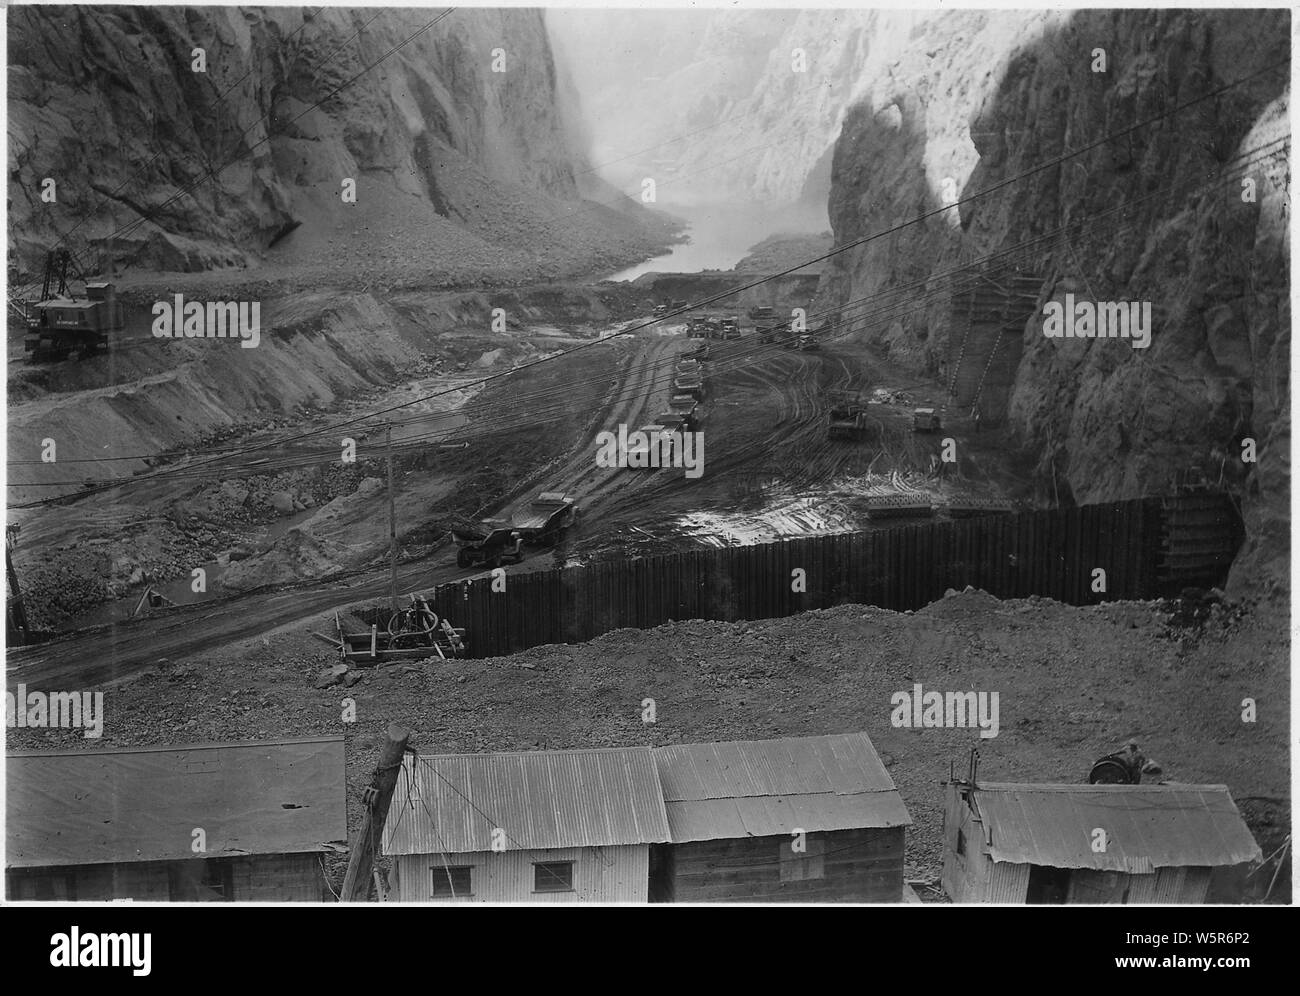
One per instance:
(252,878)
(843,865)
(617,874)
(965,876)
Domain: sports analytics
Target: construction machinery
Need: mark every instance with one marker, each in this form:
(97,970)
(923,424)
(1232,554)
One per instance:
(679,421)
(729,328)
(848,417)
(1124,767)
(492,544)
(60,322)
(546,520)
(690,383)
(761,314)
(412,633)
(697,329)
(682,404)
(700,351)
(925,420)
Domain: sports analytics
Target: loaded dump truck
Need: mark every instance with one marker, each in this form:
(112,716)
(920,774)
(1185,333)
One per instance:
(678,421)
(692,384)
(848,417)
(546,519)
(925,420)
(492,544)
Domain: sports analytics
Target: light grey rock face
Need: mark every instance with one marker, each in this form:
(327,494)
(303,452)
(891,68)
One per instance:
(986,104)
(97,95)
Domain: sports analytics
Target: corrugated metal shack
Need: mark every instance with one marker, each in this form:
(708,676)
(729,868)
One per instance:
(533,826)
(118,824)
(735,810)
(1021,843)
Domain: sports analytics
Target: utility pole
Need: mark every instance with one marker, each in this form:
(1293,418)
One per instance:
(392,522)
(17,615)
(376,797)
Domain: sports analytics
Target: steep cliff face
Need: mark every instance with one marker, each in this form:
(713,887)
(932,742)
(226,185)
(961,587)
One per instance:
(455,165)
(706,101)
(985,105)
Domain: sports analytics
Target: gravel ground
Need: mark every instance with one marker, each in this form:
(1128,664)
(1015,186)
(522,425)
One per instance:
(1073,684)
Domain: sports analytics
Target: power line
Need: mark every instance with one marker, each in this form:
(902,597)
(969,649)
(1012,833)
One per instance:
(560,411)
(612,336)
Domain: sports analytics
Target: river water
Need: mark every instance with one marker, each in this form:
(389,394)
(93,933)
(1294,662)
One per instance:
(720,236)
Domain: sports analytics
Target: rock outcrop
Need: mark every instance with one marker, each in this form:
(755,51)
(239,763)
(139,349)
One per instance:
(215,133)
(970,106)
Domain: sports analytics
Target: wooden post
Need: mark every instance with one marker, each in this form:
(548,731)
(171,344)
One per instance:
(18,613)
(357,881)
(392,522)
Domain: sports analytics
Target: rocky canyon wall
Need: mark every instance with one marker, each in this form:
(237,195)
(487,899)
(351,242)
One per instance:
(1001,102)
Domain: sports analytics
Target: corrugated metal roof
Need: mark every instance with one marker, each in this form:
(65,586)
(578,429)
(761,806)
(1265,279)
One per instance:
(541,799)
(760,788)
(142,804)
(1147,826)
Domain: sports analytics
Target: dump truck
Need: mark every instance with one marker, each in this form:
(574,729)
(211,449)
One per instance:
(729,328)
(925,420)
(678,421)
(692,384)
(492,544)
(61,322)
(546,519)
(761,314)
(848,417)
(660,310)
(701,351)
(682,403)
(697,329)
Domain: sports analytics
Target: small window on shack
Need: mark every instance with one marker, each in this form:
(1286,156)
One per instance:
(553,876)
(803,865)
(451,883)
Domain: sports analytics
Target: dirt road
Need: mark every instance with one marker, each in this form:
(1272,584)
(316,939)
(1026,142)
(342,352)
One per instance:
(764,419)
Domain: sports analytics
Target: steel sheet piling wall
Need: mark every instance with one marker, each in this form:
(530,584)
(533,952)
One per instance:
(1049,553)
